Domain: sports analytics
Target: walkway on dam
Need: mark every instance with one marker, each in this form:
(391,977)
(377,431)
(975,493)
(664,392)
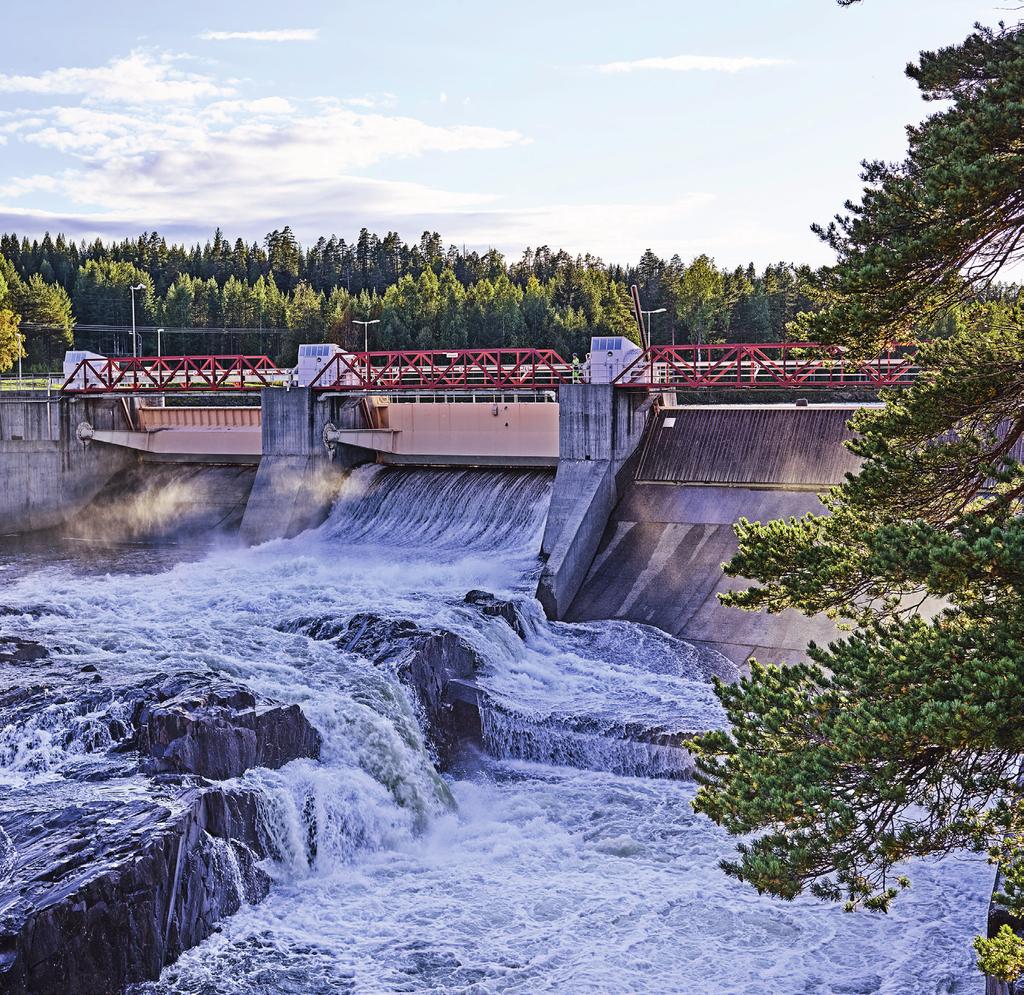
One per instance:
(743,366)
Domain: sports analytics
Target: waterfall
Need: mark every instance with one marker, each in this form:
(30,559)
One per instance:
(565,857)
(489,510)
(508,735)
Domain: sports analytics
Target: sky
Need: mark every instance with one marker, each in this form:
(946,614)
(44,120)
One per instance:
(609,128)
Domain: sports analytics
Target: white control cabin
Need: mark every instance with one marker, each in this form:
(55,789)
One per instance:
(85,376)
(609,356)
(314,357)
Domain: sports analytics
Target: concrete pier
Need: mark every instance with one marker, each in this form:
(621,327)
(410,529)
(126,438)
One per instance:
(599,429)
(298,478)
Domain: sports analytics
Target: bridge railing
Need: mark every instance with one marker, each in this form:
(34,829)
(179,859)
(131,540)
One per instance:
(173,374)
(463,369)
(786,365)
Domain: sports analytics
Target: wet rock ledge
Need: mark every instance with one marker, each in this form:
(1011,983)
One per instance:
(438,666)
(101,888)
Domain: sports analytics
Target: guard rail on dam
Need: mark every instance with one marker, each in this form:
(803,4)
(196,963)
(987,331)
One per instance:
(745,366)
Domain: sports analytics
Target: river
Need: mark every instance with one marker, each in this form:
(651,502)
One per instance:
(561,859)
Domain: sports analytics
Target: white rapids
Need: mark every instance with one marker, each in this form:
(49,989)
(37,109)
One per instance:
(564,860)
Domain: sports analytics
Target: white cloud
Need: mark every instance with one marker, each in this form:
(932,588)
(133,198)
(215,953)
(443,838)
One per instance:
(268,138)
(249,161)
(615,231)
(443,98)
(20,186)
(690,63)
(138,78)
(283,34)
(252,163)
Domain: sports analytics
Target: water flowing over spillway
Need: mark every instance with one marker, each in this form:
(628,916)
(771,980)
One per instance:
(564,858)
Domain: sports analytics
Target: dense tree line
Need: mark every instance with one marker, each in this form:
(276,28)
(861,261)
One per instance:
(425,296)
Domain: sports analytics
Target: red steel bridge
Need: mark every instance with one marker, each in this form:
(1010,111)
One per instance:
(786,365)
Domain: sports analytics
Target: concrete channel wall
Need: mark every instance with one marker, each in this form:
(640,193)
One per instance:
(659,560)
(599,429)
(47,474)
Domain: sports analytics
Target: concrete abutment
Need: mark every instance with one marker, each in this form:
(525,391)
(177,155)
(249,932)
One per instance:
(298,477)
(46,473)
(599,431)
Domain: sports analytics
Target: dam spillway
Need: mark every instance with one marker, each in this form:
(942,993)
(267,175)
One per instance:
(699,470)
(500,799)
(560,854)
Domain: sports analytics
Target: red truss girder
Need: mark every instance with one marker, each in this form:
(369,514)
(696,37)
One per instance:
(173,374)
(768,365)
(464,369)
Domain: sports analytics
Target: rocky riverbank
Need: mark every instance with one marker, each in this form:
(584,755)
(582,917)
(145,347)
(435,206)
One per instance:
(101,888)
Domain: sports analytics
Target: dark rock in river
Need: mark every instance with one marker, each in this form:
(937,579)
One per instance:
(21,651)
(220,730)
(101,889)
(507,610)
(111,892)
(438,665)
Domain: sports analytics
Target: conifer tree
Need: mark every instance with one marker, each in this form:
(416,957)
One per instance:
(11,348)
(904,738)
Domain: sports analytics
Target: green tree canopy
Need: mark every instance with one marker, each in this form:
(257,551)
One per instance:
(10,337)
(46,318)
(938,227)
(903,738)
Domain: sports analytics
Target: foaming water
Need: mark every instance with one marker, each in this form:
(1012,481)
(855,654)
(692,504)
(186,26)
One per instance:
(555,880)
(599,747)
(441,509)
(584,872)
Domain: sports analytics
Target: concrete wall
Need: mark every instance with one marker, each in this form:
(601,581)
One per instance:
(502,433)
(599,429)
(46,473)
(298,480)
(660,559)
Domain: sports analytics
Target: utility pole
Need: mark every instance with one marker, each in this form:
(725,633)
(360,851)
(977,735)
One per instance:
(141,286)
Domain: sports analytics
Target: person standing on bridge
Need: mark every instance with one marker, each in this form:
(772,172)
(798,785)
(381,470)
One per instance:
(576,369)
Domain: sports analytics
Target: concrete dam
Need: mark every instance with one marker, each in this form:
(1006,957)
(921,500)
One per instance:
(699,470)
(423,729)
(641,508)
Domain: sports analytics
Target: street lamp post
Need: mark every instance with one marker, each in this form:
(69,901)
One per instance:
(141,286)
(158,352)
(647,315)
(366,331)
